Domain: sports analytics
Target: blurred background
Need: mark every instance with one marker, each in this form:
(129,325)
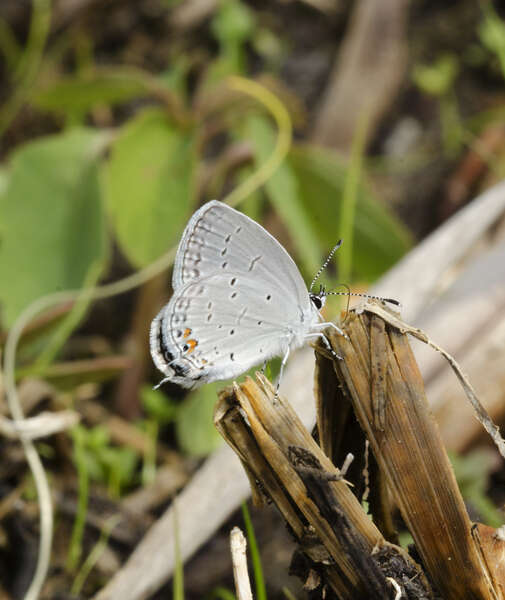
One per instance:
(118,119)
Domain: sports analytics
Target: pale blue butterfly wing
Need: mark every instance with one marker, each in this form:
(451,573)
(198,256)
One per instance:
(219,238)
(238,300)
(218,327)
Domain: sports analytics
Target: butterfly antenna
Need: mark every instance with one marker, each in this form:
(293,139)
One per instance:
(325,264)
(349,293)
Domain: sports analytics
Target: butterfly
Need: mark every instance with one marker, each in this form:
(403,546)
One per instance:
(239,300)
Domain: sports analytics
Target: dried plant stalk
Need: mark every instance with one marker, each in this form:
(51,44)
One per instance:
(238,547)
(345,548)
(380,377)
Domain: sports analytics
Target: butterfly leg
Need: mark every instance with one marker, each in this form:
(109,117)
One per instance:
(320,335)
(330,324)
(281,370)
(283,364)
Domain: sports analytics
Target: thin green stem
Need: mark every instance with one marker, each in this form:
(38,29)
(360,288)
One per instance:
(94,555)
(9,46)
(71,320)
(282,146)
(178,581)
(75,549)
(29,63)
(261,592)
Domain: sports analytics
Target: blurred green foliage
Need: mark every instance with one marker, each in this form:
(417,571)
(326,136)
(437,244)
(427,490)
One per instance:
(438,79)
(52,227)
(472,473)
(492,34)
(148,184)
(103,462)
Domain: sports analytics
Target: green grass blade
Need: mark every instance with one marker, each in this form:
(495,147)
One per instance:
(75,549)
(178,581)
(94,555)
(261,593)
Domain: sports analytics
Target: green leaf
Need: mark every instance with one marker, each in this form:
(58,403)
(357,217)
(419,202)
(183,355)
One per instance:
(75,96)
(473,471)
(52,229)
(284,193)
(4,180)
(233,23)
(259,578)
(148,183)
(194,427)
(437,79)
(157,406)
(492,34)
(379,238)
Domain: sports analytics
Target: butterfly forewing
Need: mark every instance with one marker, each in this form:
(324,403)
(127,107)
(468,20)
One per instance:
(219,239)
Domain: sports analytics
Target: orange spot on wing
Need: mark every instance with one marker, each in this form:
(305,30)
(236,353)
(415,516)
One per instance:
(187,332)
(192,345)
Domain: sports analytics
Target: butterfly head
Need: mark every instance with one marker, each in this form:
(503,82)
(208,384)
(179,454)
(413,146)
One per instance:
(318,299)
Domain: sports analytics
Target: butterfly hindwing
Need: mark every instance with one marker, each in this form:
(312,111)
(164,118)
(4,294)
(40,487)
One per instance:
(220,326)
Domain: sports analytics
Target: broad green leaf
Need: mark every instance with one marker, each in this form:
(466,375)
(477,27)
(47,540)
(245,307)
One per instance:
(75,96)
(284,193)
(379,238)
(148,183)
(194,426)
(52,229)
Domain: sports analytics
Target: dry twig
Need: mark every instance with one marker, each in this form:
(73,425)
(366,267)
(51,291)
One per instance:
(238,546)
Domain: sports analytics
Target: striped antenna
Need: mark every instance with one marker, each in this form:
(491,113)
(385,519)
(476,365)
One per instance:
(318,274)
(390,300)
